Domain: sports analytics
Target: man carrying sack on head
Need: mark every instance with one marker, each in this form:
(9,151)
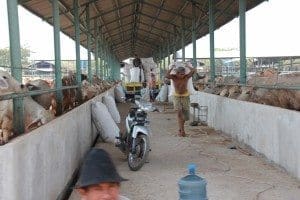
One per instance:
(181,97)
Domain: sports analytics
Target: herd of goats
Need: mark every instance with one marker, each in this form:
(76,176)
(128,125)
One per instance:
(40,109)
(254,92)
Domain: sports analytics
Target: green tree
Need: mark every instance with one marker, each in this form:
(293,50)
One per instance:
(5,56)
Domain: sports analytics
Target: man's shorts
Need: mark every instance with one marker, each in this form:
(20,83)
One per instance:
(182,103)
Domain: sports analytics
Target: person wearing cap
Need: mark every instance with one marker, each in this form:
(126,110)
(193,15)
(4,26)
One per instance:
(181,97)
(98,178)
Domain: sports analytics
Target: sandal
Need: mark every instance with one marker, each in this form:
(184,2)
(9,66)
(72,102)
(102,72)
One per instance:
(183,134)
(180,133)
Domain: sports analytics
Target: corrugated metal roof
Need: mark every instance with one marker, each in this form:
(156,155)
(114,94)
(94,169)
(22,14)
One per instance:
(138,26)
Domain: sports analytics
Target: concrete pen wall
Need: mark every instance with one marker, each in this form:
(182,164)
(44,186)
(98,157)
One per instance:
(272,131)
(38,165)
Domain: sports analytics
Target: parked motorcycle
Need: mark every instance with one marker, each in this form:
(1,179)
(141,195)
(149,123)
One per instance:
(135,143)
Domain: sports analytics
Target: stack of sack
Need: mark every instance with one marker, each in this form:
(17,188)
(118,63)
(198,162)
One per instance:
(105,116)
(127,68)
(132,74)
(150,67)
(163,94)
(137,75)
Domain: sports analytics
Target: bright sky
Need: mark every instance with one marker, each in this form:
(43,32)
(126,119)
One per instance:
(271,30)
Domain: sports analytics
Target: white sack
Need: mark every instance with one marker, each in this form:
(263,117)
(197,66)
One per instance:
(190,86)
(145,94)
(119,94)
(127,72)
(163,94)
(104,122)
(110,103)
(170,94)
(135,74)
(148,64)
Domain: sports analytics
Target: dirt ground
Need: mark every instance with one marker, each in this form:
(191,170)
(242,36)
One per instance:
(232,171)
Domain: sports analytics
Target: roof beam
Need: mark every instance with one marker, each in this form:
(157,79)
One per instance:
(164,21)
(224,11)
(199,2)
(156,16)
(136,19)
(70,16)
(181,9)
(124,49)
(121,33)
(111,30)
(150,42)
(163,30)
(69,10)
(102,21)
(113,10)
(157,35)
(121,42)
(137,39)
(202,16)
(23,1)
(117,19)
(120,21)
(167,10)
(138,43)
(146,45)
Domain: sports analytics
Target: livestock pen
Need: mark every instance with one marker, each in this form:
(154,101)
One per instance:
(43,145)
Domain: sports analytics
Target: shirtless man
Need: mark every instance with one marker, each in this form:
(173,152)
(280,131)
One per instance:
(181,97)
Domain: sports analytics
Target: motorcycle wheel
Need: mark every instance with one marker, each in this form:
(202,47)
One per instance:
(137,160)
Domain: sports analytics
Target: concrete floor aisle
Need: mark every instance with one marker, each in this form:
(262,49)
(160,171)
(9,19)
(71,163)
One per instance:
(231,174)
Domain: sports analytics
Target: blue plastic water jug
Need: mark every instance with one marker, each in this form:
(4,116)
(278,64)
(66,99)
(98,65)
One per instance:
(192,187)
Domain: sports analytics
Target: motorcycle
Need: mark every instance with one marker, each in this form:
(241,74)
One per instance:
(135,143)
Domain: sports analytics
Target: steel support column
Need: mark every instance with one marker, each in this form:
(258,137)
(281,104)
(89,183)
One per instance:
(169,60)
(101,67)
(212,40)
(113,69)
(182,39)
(56,31)
(110,67)
(194,62)
(102,55)
(77,46)
(89,42)
(15,60)
(243,62)
(174,44)
(118,70)
(96,47)
(164,60)
(105,64)
(99,59)
(160,63)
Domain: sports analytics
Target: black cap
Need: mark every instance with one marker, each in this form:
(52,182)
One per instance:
(98,168)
